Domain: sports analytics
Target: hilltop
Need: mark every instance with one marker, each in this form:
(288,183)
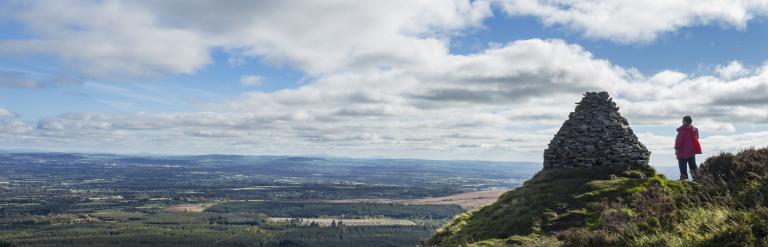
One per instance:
(597,189)
(609,206)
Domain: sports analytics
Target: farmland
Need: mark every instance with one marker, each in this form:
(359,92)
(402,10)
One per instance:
(59,199)
(332,222)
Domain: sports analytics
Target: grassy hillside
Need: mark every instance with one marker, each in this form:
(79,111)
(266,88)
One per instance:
(626,207)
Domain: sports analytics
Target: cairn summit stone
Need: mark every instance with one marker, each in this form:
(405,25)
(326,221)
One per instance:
(595,134)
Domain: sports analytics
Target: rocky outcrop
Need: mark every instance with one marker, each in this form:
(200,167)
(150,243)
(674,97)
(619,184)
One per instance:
(595,134)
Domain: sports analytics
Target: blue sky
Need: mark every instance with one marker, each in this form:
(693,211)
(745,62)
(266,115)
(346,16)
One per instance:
(693,50)
(685,50)
(370,79)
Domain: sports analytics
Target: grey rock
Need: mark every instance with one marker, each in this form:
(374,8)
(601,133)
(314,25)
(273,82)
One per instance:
(595,134)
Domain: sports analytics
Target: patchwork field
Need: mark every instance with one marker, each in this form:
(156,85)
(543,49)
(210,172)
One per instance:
(59,199)
(326,222)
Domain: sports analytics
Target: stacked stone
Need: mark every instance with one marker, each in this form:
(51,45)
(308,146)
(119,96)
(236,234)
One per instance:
(595,135)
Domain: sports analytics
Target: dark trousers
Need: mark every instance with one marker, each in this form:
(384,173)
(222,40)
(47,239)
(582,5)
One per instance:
(691,163)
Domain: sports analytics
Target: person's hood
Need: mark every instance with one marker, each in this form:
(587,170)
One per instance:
(682,127)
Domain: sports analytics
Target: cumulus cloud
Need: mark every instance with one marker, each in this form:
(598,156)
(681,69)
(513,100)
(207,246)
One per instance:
(106,37)
(731,70)
(516,90)
(158,37)
(10,127)
(109,38)
(516,72)
(382,79)
(5,113)
(636,21)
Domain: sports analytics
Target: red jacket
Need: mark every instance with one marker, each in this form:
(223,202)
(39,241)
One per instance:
(687,142)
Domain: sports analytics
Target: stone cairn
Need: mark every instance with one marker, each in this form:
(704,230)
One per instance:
(595,135)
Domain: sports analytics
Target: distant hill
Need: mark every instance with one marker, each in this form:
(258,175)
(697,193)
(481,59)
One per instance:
(449,175)
(615,206)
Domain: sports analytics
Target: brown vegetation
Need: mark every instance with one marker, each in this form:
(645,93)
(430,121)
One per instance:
(188,208)
(467,200)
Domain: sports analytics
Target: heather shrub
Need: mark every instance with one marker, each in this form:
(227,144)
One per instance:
(743,176)
(654,208)
(580,237)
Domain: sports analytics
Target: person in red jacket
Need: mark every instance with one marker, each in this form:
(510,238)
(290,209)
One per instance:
(686,147)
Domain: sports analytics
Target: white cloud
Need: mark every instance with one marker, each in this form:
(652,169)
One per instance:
(359,113)
(109,38)
(732,70)
(637,21)
(10,127)
(662,152)
(382,79)
(5,113)
(668,78)
(105,38)
(251,80)
(716,126)
(490,104)
(736,142)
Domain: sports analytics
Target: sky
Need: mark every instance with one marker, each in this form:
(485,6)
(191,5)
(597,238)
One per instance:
(428,79)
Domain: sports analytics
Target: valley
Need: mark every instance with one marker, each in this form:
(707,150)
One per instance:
(64,199)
